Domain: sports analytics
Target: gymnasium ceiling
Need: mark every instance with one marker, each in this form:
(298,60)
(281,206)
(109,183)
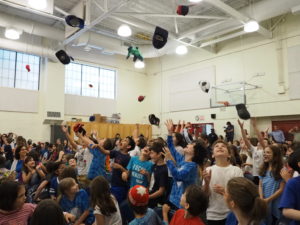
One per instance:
(207,23)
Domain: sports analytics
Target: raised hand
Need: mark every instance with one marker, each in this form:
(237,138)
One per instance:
(169,125)
(207,176)
(64,128)
(167,154)
(253,121)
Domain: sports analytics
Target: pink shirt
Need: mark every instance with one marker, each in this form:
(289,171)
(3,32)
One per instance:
(19,217)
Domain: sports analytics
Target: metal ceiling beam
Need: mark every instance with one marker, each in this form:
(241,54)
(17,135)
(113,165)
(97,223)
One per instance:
(229,10)
(98,5)
(222,32)
(224,38)
(95,22)
(171,15)
(237,15)
(199,29)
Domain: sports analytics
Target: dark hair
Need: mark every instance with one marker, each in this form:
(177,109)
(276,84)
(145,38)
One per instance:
(161,140)
(34,154)
(180,141)
(69,172)
(17,152)
(228,123)
(108,144)
(200,153)
(235,156)
(140,210)
(48,212)
(24,168)
(51,167)
(131,143)
(276,164)
(101,196)
(253,141)
(2,161)
(294,159)
(157,147)
(142,142)
(245,195)
(65,185)
(295,145)
(197,200)
(8,194)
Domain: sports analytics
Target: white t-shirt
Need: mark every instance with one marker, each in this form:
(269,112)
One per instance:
(114,219)
(258,159)
(135,152)
(84,159)
(217,209)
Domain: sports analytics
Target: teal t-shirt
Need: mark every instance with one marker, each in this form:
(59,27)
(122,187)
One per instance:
(134,167)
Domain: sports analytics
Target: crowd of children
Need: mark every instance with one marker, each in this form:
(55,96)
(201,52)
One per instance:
(178,180)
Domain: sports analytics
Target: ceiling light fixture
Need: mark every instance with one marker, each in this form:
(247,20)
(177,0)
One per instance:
(195,1)
(181,50)
(251,26)
(139,64)
(124,31)
(38,4)
(12,33)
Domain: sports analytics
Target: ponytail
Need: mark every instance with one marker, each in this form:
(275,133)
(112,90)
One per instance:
(258,211)
(245,195)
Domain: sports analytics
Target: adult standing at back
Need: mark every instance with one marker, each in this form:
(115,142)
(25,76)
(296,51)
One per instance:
(277,135)
(229,132)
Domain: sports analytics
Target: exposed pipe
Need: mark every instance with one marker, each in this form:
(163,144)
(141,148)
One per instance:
(31,27)
(30,10)
(28,48)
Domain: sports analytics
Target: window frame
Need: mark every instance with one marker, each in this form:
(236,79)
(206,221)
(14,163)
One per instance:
(15,70)
(99,85)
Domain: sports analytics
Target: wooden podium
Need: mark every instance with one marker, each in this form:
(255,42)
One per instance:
(109,130)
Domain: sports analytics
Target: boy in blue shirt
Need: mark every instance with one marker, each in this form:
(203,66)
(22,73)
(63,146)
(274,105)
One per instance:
(97,167)
(119,187)
(290,200)
(139,169)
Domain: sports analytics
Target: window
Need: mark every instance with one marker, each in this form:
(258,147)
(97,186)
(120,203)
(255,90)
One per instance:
(90,81)
(13,72)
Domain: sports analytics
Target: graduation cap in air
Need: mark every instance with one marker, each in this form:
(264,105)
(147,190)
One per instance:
(154,120)
(205,86)
(79,128)
(182,10)
(92,118)
(63,57)
(141,98)
(160,37)
(242,111)
(74,21)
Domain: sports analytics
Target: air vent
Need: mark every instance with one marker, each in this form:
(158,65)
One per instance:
(53,114)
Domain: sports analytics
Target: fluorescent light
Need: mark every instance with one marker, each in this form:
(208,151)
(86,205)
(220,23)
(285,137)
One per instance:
(139,64)
(195,1)
(181,50)
(124,31)
(12,33)
(38,4)
(251,26)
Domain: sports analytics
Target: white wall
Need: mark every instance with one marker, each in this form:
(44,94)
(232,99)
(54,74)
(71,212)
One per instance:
(130,84)
(239,60)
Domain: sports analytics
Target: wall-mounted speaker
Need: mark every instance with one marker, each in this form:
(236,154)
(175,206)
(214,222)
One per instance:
(213,116)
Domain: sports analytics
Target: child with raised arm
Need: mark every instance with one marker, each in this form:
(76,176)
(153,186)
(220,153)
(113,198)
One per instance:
(119,187)
(183,168)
